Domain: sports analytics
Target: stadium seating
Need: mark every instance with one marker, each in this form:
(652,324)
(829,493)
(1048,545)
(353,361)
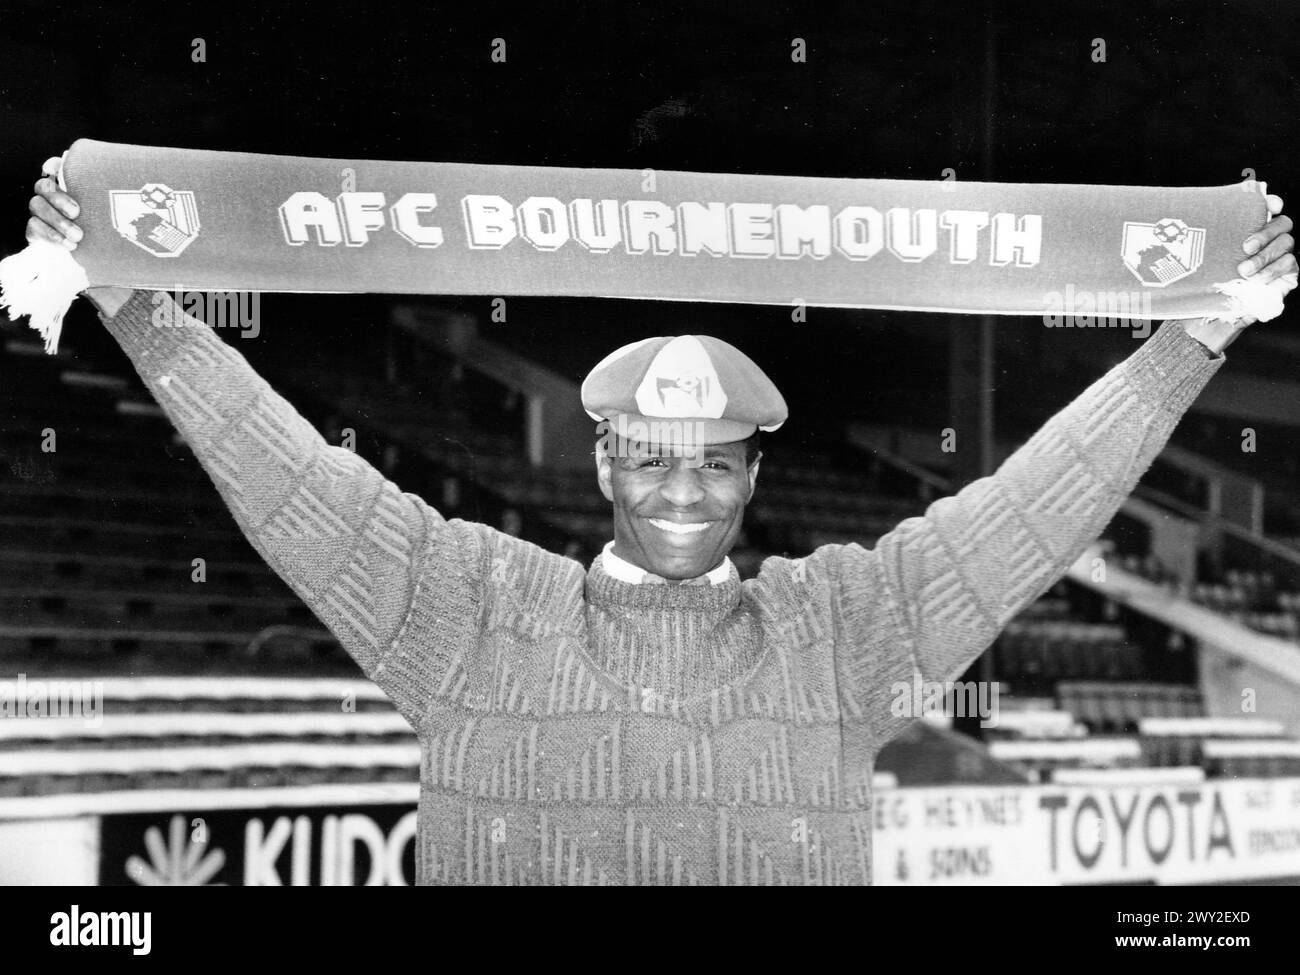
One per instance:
(213,728)
(130,695)
(1254,599)
(49,771)
(103,515)
(187,733)
(1251,758)
(1181,741)
(1106,777)
(1036,652)
(1041,758)
(1117,707)
(1032,723)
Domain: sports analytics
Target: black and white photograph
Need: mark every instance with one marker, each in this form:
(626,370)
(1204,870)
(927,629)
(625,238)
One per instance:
(624,444)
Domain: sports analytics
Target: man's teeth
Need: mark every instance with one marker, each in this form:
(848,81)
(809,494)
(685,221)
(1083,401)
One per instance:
(676,529)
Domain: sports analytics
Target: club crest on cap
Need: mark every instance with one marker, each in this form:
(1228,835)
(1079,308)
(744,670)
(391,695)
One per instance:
(687,387)
(681,381)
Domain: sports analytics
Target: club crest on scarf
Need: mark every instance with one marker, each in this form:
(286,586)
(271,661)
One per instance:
(156,218)
(681,382)
(1163,252)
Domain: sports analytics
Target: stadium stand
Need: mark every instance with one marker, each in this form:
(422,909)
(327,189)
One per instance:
(1116,707)
(1181,741)
(102,516)
(1251,758)
(1041,758)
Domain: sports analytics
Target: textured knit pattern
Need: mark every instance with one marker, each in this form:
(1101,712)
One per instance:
(577,729)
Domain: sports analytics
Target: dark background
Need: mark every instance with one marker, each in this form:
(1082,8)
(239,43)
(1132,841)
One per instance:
(1190,93)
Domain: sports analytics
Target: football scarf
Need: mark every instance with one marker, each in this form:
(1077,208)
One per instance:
(181,219)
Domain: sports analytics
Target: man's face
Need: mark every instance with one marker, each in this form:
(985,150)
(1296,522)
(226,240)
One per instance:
(673,516)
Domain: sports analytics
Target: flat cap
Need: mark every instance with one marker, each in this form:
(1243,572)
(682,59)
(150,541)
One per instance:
(685,377)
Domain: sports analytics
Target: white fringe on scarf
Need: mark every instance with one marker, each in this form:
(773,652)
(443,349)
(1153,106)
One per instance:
(1249,298)
(42,280)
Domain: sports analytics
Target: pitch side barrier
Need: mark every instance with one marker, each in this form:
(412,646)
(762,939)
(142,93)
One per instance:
(255,781)
(1165,829)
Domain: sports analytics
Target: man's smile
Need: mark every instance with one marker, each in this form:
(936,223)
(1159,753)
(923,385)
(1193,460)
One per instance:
(680,528)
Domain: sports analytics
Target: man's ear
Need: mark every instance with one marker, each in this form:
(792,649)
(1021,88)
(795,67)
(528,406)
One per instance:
(604,474)
(753,477)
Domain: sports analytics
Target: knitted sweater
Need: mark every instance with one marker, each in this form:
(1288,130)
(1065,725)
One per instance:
(578,729)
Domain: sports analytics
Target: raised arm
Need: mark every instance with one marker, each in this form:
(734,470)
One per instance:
(352,545)
(947,582)
(343,538)
(937,590)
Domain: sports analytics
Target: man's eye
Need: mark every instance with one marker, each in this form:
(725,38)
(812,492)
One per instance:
(720,465)
(652,462)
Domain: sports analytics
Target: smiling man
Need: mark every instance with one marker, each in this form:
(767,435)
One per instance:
(676,518)
(652,719)
(678,456)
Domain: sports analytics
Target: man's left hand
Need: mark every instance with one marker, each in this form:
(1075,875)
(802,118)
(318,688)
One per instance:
(1271,248)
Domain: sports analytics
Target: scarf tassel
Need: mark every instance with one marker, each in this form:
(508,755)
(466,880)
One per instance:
(1249,298)
(41,281)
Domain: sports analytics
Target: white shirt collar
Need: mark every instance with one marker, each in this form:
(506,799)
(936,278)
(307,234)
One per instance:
(624,571)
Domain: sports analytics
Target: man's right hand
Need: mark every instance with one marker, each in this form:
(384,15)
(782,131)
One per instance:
(54,215)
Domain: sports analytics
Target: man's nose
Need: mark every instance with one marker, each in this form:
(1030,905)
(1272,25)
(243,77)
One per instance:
(682,488)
